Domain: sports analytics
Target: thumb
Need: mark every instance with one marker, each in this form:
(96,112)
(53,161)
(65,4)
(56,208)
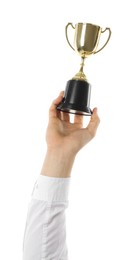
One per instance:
(93,123)
(90,130)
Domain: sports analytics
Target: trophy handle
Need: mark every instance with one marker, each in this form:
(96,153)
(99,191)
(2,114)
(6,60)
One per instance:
(66,33)
(106,41)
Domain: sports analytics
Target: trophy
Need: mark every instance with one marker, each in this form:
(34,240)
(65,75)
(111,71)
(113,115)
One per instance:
(77,94)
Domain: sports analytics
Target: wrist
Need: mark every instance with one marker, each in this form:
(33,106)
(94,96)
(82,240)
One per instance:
(57,163)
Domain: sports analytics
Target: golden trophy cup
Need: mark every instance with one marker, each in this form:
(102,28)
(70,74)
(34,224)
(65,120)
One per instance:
(77,94)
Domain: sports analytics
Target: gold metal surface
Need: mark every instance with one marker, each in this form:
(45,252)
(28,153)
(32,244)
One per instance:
(80,75)
(86,40)
(66,33)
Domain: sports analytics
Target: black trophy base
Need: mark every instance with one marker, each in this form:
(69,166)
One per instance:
(76,98)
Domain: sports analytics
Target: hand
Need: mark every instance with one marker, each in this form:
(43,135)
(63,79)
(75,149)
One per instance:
(65,139)
(70,137)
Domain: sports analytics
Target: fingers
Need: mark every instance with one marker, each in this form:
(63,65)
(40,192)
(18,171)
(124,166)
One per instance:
(93,124)
(65,116)
(78,119)
(53,113)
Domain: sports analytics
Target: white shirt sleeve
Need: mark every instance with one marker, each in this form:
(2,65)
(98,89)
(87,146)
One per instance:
(45,230)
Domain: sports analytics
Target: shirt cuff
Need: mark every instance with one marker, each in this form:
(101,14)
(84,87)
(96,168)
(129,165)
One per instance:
(51,188)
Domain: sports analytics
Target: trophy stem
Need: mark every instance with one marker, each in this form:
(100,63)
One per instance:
(82,64)
(80,75)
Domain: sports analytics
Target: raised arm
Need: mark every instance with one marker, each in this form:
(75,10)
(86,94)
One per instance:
(45,231)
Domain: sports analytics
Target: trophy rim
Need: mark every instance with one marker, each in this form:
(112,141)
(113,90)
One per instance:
(89,24)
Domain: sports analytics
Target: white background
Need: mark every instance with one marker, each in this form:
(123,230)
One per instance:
(35,64)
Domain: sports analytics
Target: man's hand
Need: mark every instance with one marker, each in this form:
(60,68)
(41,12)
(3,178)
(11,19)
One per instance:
(65,139)
(69,136)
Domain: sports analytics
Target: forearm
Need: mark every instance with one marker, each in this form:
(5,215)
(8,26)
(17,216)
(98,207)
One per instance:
(58,163)
(46,222)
